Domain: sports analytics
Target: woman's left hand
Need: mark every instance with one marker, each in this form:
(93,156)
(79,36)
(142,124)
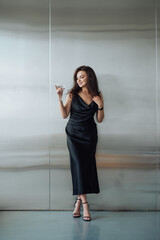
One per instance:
(98,101)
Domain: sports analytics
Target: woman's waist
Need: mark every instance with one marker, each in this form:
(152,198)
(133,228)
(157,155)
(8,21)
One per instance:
(82,122)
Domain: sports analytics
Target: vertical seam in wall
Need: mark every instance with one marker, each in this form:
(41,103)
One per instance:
(49,8)
(156,108)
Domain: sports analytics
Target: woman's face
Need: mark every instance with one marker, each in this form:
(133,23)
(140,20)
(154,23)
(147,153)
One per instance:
(82,79)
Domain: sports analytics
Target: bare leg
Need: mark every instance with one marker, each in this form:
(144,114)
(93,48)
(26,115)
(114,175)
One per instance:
(76,212)
(83,198)
(86,214)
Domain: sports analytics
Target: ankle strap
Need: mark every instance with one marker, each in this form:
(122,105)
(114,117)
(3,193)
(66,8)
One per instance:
(84,202)
(77,200)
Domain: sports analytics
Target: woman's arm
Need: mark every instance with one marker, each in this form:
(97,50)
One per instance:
(64,108)
(99,101)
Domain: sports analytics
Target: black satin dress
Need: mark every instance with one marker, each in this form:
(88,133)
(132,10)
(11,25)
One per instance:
(82,139)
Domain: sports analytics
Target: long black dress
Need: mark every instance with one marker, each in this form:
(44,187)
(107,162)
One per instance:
(81,131)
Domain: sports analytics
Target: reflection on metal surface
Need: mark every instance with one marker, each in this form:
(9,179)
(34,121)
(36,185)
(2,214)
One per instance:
(24,105)
(116,38)
(158,97)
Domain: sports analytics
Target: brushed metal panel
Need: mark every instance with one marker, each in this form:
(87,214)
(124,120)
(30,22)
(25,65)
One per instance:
(102,15)
(158,103)
(24,105)
(117,39)
(119,43)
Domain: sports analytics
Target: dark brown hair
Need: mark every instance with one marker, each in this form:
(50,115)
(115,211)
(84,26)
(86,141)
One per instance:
(93,88)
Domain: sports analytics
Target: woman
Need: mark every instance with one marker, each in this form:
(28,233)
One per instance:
(82,102)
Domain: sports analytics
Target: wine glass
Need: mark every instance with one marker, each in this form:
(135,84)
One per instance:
(58,86)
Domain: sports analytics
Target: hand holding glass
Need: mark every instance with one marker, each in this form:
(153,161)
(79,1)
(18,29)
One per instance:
(59,91)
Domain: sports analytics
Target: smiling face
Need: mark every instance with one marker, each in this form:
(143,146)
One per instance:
(82,79)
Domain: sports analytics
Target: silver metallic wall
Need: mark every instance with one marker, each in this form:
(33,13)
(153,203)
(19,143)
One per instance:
(41,44)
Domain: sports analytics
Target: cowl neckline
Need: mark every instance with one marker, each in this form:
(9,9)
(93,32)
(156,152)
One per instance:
(84,101)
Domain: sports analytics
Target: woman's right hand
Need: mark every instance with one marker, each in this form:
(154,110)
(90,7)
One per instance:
(64,108)
(59,90)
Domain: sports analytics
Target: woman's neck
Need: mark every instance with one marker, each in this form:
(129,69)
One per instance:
(84,90)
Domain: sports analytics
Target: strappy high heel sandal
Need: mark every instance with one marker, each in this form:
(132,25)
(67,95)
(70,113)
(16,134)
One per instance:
(77,214)
(86,218)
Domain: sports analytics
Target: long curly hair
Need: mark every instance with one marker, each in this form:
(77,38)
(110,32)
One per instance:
(92,83)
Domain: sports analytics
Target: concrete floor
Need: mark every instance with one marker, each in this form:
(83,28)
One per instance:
(47,225)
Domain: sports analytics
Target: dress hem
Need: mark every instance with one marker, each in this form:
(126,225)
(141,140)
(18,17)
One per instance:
(86,193)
